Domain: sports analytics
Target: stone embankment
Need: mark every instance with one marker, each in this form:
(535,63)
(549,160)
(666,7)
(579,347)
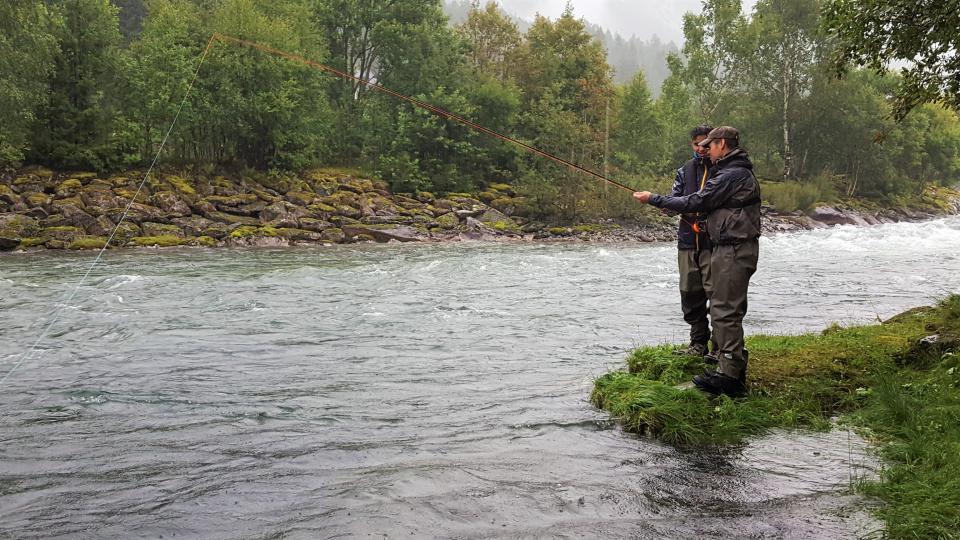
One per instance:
(43,209)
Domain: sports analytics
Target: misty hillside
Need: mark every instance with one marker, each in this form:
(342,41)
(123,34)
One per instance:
(627,56)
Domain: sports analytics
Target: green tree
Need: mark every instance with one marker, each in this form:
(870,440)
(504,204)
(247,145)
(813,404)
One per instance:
(715,43)
(493,40)
(786,38)
(79,126)
(27,48)
(873,33)
(248,107)
(637,141)
(675,116)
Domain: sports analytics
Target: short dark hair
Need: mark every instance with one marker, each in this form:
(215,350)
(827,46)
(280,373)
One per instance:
(700,131)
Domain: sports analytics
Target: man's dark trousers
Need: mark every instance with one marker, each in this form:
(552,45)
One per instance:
(731,266)
(695,291)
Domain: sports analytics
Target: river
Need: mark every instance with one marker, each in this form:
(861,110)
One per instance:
(411,391)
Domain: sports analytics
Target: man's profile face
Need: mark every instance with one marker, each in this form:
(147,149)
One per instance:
(695,145)
(718,149)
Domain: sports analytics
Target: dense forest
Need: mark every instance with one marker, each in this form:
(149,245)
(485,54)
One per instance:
(89,85)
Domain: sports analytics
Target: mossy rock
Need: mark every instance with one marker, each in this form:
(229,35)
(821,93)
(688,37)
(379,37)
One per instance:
(55,244)
(171,203)
(559,231)
(448,221)
(299,235)
(18,226)
(315,225)
(129,194)
(248,231)
(85,175)
(37,199)
(205,241)
(332,235)
(301,198)
(182,185)
(26,243)
(488,196)
(159,241)
(125,232)
(425,196)
(63,233)
(231,219)
(232,201)
(501,187)
(444,204)
(322,207)
(69,188)
(506,226)
(7,194)
(593,228)
(88,242)
(355,185)
(161,229)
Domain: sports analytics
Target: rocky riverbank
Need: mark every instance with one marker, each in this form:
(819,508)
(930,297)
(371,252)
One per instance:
(40,209)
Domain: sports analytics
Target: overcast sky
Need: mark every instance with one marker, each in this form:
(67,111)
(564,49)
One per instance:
(626,17)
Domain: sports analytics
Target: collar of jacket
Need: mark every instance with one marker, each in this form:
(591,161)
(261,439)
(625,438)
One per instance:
(737,155)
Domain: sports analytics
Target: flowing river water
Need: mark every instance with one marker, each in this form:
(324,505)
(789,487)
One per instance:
(410,391)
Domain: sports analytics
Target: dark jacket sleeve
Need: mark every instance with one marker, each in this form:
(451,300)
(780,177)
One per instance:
(716,192)
(678,183)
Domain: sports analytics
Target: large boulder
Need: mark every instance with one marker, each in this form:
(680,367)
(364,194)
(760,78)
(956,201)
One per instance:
(102,226)
(7,195)
(231,219)
(73,212)
(170,203)
(18,226)
(282,214)
(299,235)
(194,225)
(7,244)
(448,221)
(399,234)
(138,213)
(301,198)
(316,225)
(230,203)
(829,215)
(102,199)
(161,229)
(332,235)
(69,188)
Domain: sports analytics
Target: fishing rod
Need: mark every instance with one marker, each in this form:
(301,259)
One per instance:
(415,102)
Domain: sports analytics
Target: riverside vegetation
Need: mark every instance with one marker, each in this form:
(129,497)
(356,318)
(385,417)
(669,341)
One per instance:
(897,381)
(43,209)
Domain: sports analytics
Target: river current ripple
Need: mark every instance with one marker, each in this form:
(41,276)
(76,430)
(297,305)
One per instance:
(411,391)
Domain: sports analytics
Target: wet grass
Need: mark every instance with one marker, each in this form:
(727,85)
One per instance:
(905,395)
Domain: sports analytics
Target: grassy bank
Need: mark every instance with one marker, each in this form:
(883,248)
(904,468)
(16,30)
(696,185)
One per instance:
(902,390)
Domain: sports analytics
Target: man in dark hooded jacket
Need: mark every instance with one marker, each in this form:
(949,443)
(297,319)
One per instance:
(693,248)
(731,201)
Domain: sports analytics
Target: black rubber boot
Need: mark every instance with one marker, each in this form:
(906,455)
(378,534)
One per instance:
(714,382)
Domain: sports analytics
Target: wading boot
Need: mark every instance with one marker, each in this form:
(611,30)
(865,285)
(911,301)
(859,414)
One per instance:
(695,349)
(716,383)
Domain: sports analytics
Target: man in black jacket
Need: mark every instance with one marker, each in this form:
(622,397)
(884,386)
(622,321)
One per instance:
(731,201)
(693,248)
